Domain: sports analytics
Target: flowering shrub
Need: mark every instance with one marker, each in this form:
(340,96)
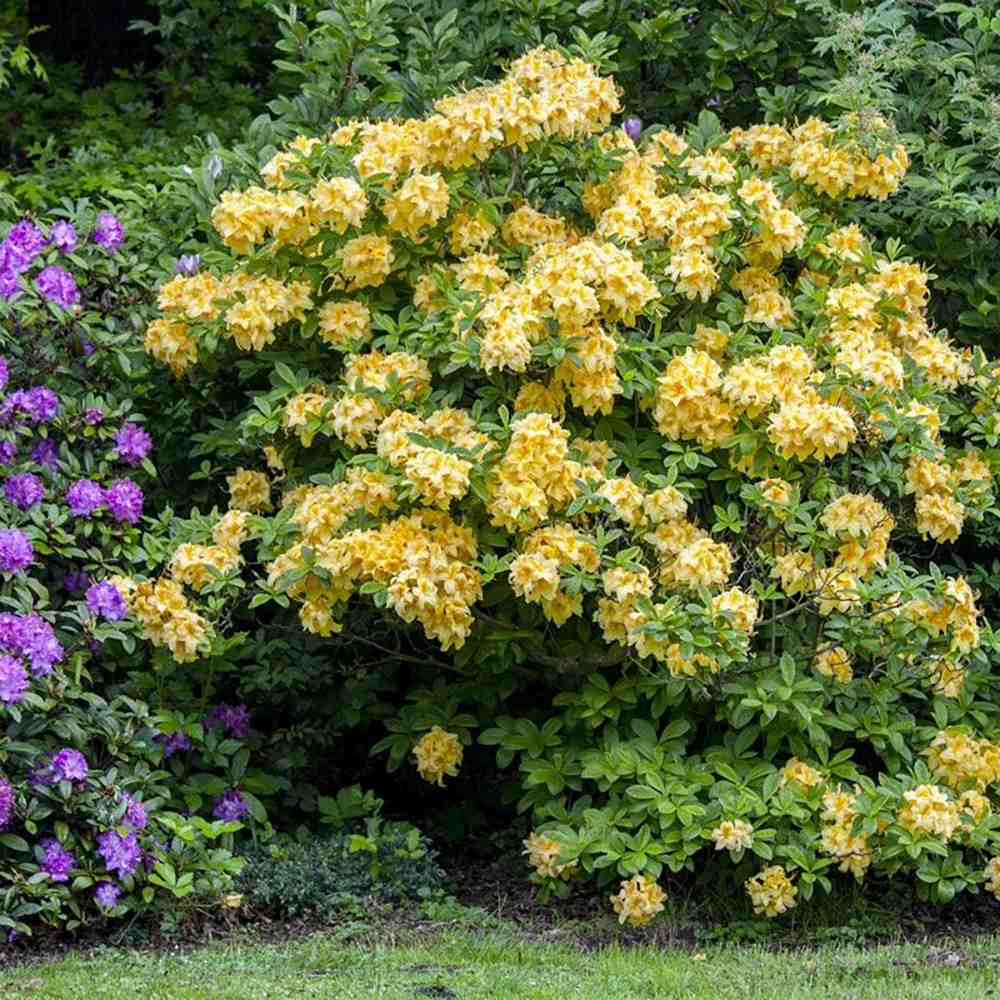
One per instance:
(100,793)
(631,428)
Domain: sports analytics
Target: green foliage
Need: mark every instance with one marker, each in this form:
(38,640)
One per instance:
(322,876)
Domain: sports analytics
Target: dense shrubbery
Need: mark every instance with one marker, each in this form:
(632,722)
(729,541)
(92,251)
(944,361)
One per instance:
(638,455)
(537,389)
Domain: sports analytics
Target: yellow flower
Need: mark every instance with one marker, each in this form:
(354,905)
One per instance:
(733,835)
(249,491)
(638,900)
(438,754)
(771,891)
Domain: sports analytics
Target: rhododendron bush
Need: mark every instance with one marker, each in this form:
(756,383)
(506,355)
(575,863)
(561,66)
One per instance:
(659,458)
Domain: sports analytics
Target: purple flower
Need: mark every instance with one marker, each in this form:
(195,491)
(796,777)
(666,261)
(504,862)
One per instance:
(125,501)
(109,232)
(39,405)
(231,807)
(136,816)
(10,285)
(89,347)
(133,444)
(121,854)
(94,417)
(32,638)
(174,743)
(58,862)
(633,128)
(6,803)
(64,236)
(76,580)
(46,454)
(24,491)
(188,265)
(104,601)
(8,452)
(16,552)
(4,374)
(58,286)
(234,719)
(28,239)
(70,765)
(85,498)
(13,680)
(107,895)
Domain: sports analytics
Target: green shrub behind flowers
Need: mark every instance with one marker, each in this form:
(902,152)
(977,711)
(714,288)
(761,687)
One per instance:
(645,459)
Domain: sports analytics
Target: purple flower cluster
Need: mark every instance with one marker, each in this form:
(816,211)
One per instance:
(234,720)
(63,236)
(13,680)
(24,491)
(133,444)
(8,452)
(16,551)
(124,500)
(58,862)
(109,232)
(104,601)
(46,454)
(107,895)
(232,807)
(136,817)
(69,765)
(23,245)
(4,374)
(39,405)
(174,743)
(6,803)
(94,416)
(188,265)
(121,854)
(85,498)
(58,286)
(32,638)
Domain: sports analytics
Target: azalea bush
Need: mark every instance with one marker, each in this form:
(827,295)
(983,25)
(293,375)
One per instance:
(643,460)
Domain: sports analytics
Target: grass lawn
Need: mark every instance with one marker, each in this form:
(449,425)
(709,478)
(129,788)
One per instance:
(500,965)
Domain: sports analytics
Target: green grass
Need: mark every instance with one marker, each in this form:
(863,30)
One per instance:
(500,965)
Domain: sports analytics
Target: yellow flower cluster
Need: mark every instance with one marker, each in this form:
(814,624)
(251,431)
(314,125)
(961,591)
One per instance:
(535,573)
(801,773)
(834,662)
(930,811)
(839,838)
(543,856)
(167,620)
(771,891)
(960,760)
(992,874)
(249,491)
(438,754)
(733,835)
(638,900)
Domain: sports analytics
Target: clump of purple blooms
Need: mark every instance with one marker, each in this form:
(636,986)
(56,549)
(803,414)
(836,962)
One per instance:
(133,444)
(16,551)
(234,720)
(633,128)
(6,803)
(174,743)
(104,601)
(13,680)
(46,454)
(24,490)
(122,854)
(107,894)
(109,232)
(69,765)
(232,807)
(4,374)
(58,862)
(136,817)
(85,498)
(125,500)
(63,236)
(40,405)
(8,452)
(94,416)
(32,638)
(188,265)
(58,286)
